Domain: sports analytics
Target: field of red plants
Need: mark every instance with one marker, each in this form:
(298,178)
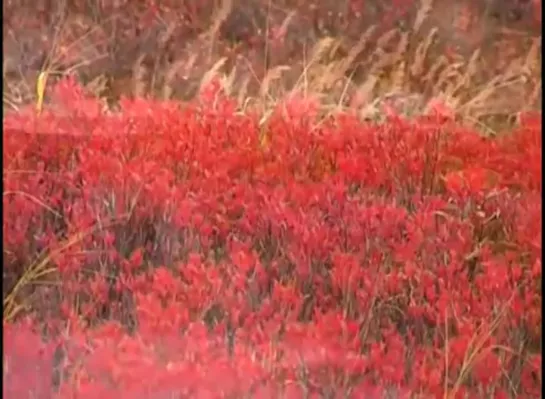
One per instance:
(272,199)
(172,251)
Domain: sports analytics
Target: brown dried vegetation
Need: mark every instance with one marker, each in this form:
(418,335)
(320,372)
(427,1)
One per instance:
(483,58)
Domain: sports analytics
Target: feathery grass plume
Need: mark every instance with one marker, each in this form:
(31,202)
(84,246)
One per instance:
(212,72)
(313,69)
(470,71)
(272,75)
(423,12)
(139,73)
(228,81)
(399,76)
(417,67)
(218,19)
(348,62)
(532,61)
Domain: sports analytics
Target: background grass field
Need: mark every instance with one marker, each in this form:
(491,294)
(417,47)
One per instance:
(483,57)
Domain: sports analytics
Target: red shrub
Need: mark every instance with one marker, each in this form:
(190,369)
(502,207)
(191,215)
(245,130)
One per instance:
(193,258)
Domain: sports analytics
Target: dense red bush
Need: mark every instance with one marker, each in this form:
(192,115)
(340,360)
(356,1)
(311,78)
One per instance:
(198,252)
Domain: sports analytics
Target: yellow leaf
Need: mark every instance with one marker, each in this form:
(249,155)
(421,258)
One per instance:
(263,140)
(40,90)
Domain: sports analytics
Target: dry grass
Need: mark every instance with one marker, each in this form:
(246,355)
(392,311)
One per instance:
(404,67)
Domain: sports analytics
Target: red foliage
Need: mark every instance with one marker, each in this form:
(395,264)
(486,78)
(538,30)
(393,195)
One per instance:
(205,261)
